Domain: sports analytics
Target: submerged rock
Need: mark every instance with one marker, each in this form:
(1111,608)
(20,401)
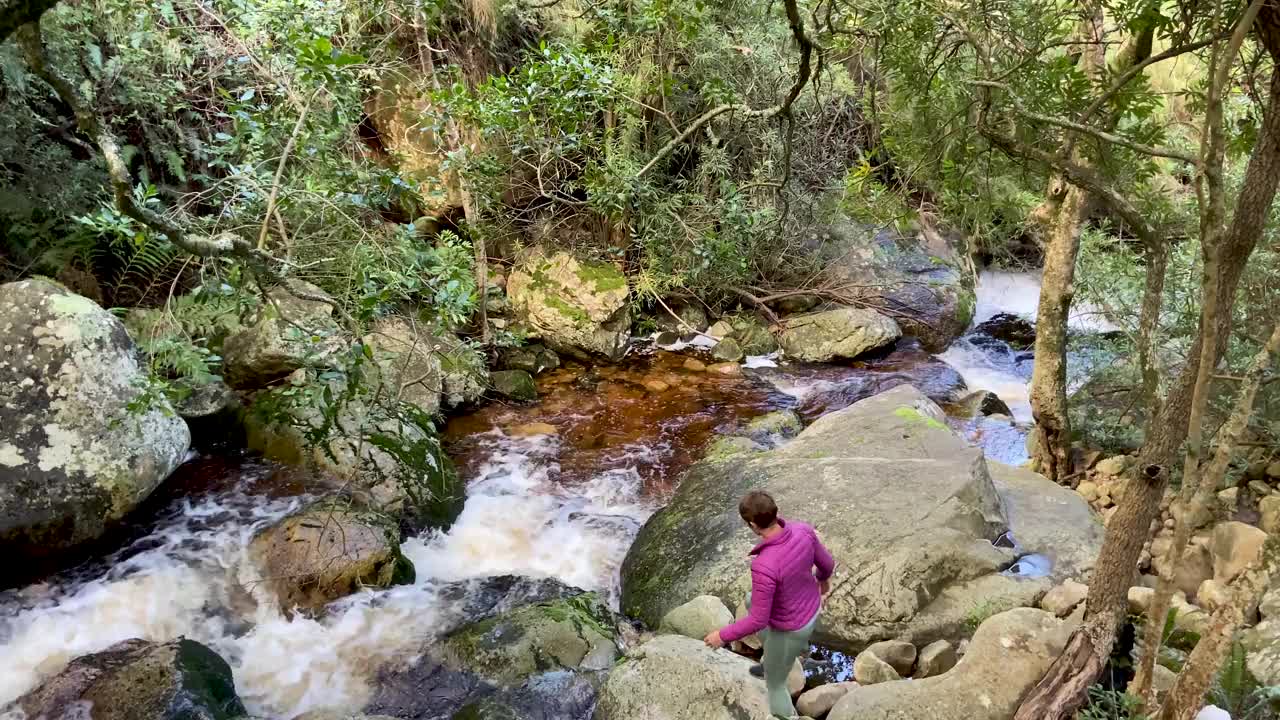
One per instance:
(139,680)
(327,552)
(578,307)
(672,677)
(572,633)
(907,508)
(840,333)
(984,402)
(287,334)
(82,439)
(1007,656)
(1018,333)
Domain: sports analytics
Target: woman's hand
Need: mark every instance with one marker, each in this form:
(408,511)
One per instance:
(713,639)
(824,587)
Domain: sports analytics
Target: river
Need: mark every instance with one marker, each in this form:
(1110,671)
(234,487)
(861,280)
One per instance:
(557,489)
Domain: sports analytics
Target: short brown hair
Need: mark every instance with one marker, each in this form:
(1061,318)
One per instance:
(758,507)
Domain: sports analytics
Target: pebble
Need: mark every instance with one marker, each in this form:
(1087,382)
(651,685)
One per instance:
(727,369)
(695,365)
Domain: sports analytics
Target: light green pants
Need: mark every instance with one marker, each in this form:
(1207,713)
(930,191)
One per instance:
(780,652)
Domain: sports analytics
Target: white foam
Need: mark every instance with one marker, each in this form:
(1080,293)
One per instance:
(197,582)
(1018,293)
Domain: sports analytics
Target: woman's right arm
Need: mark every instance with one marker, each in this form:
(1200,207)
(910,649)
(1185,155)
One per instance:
(762,589)
(822,559)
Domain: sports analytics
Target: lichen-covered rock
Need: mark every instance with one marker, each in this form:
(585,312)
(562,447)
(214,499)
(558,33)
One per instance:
(900,655)
(82,441)
(514,384)
(287,333)
(430,369)
(673,677)
(139,680)
(696,618)
(326,552)
(385,455)
(1063,599)
(727,350)
(907,508)
(573,633)
(1235,546)
(775,425)
(841,333)
(578,307)
(1262,642)
(922,275)
(1007,656)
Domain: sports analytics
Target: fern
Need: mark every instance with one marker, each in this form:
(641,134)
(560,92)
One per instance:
(1107,704)
(1237,691)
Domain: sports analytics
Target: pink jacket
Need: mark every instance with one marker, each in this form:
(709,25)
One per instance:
(784,588)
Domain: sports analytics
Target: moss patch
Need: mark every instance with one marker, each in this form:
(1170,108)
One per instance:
(912,415)
(602,276)
(577,315)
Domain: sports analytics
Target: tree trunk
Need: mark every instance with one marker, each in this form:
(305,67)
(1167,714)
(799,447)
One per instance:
(1049,378)
(1118,560)
(1062,691)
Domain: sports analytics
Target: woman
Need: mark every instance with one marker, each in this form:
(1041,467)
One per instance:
(785,594)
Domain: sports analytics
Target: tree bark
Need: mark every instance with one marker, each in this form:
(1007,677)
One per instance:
(1118,560)
(1049,378)
(1062,691)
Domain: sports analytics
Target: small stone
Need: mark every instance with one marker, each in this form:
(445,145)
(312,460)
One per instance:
(1088,490)
(1229,498)
(868,669)
(725,369)
(696,618)
(1259,488)
(656,386)
(693,365)
(1236,546)
(1269,507)
(1114,465)
(533,428)
(1212,595)
(1140,599)
(1064,598)
(819,701)
(900,655)
(722,329)
(935,658)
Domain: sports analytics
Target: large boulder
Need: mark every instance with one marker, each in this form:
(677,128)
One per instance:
(401,111)
(578,307)
(428,369)
(1007,656)
(139,680)
(573,633)
(909,511)
(327,552)
(290,331)
(672,677)
(83,439)
(1049,520)
(841,333)
(384,454)
(922,276)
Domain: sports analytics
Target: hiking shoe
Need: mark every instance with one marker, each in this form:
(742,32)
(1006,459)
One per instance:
(757,670)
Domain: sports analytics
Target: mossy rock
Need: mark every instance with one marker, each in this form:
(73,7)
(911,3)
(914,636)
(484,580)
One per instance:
(574,633)
(514,384)
(141,680)
(780,423)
